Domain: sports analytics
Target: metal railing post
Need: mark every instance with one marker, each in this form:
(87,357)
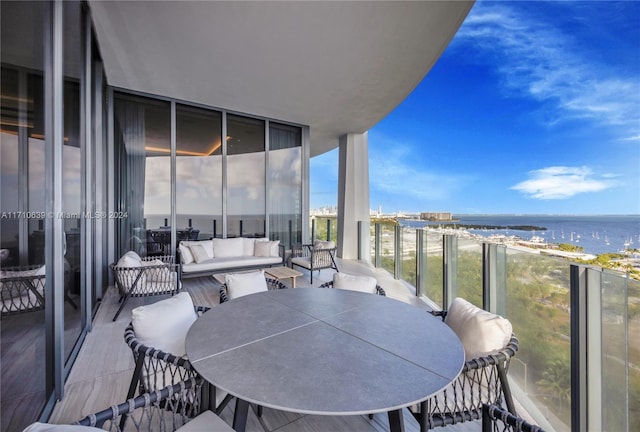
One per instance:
(578,317)
(397,252)
(450,269)
(328,229)
(421,270)
(377,241)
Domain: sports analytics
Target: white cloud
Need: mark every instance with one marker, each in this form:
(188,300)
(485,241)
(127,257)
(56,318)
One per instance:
(540,61)
(561,182)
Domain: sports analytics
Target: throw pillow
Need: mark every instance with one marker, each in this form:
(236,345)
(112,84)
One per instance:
(345,281)
(186,257)
(241,284)
(262,249)
(164,325)
(480,332)
(199,253)
(320,244)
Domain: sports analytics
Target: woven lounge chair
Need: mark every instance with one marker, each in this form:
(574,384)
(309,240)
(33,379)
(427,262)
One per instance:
(156,275)
(483,380)
(497,419)
(318,256)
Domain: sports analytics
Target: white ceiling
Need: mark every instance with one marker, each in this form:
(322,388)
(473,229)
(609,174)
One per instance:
(338,67)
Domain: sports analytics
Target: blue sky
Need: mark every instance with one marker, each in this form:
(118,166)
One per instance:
(533,108)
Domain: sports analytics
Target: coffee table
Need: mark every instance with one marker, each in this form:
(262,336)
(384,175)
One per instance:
(324,351)
(283,273)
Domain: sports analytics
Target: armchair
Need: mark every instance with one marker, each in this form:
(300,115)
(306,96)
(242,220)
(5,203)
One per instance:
(141,277)
(318,256)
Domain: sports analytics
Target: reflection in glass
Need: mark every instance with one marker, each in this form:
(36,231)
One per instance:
(143,158)
(285,183)
(245,177)
(198,173)
(22,333)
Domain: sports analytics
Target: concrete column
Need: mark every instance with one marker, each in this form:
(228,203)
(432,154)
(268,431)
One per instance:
(353,195)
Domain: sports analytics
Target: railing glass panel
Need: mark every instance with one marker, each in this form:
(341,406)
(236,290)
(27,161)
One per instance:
(538,308)
(408,257)
(469,271)
(434,280)
(387,247)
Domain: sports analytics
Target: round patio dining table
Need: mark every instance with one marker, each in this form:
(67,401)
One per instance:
(324,351)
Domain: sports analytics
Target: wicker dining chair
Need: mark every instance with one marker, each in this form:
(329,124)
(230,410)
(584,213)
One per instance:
(272,284)
(497,419)
(483,380)
(155,368)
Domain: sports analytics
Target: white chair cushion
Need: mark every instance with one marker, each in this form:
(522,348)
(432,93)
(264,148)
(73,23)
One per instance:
(229,247)
(164,325)
(355,283)
(262,249)
(481,332)
(129,259)
(248,246)
(241,284)
(45,427)
(199,253)
(206,422)
(157,274)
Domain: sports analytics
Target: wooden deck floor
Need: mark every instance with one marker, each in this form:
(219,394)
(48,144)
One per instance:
(102,372)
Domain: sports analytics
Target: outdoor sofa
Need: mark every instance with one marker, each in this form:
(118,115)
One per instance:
(205,257)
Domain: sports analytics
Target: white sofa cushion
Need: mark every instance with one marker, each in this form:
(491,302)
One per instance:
(241,284)
(164,325)
(481,332)
(45,427)
(355,283)
(229,247)
(231,263)
(248,246)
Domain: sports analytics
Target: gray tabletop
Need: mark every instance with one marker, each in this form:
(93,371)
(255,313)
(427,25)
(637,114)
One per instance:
(324,351)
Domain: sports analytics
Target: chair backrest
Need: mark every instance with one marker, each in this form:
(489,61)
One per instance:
(322,258)
(497,419)
(166,409)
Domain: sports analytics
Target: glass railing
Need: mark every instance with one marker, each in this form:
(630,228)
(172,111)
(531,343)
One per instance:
(537,304)
(544,298)
(324,228)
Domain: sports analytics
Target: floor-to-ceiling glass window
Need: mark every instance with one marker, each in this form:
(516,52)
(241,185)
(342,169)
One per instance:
(143,150)
(285,183)
(198,173)
(72,174)
(245,177)
(22,329)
